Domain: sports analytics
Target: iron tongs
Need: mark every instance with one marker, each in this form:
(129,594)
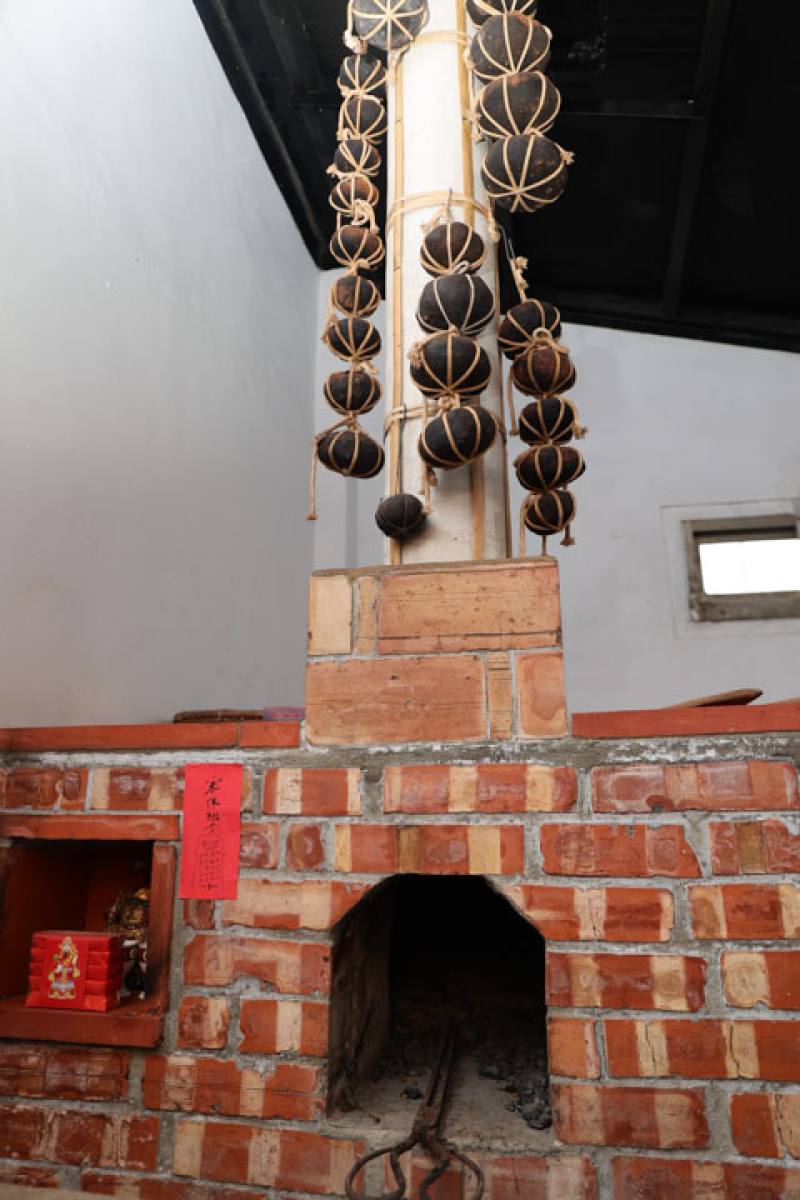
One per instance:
(425,1132)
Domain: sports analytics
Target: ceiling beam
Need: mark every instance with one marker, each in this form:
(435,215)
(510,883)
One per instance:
(268,133)
(697,138)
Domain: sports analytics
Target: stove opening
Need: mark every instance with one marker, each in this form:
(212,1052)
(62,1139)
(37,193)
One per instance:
(418,955)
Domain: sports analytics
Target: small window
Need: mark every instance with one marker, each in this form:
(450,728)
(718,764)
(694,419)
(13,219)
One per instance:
(744,569)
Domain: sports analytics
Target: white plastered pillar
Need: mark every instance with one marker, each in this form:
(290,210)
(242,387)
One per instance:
(431,150)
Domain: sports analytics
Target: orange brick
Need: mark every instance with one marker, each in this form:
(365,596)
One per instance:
(716,787)
(259,845)
(304,848)
(623,850)
(764,847)
(312,792)
(483,788)
(639,981)
(745,910)
(367,701)
(596,914)
(766,1124)
(366,639)
(541,695)
(203,1022)
(486,607)
(651,1118)
(572,1048)
(330,614)
(268,904)
(284,1026)
(769,977)
(44,788)
(298,968)
(500,696)
(676,1179)
(269,1157)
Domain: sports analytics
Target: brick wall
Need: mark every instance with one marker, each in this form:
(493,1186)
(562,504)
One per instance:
(664,890)
(660,871)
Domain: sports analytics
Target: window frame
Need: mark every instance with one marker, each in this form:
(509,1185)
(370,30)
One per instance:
(740,606)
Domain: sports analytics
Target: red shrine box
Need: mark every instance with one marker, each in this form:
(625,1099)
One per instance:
(75,969)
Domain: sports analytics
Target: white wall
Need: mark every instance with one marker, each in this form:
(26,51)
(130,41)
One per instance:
(156,310)
(673,424)
(158,318)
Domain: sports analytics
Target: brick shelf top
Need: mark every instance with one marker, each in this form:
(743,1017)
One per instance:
(244,735)
(254,735)
(686,722)
(137,1023)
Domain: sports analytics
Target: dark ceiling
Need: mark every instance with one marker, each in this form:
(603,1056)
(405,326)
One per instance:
(680,216)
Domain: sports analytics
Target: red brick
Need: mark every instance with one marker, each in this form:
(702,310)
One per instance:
(179,1083)
(764,847)
(705,1049)
(203,1022)
(622,850)
(651,1118)
(199,914)
(33,1177)
(745,910)
(284,1026)
(768,977)
(44,788)
(431,849)
(135,1188)
(532,1178)
(686,1049)
(304,848)
(483,788)
(79,1137)
(572,1048)
(20,1131)
(63,1074)
(711,787)
(312,792)
(268,904)
(291,967)
(396,700)
(639,981)
(766,1124)
(90,826)
(260,844)
(596,914)
(258,735)
(367,849)
(269,1157)
(676,1179)
(541,695)
(137,789)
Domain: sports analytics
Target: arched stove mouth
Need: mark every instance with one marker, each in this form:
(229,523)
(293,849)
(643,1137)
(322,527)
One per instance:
(420,955)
